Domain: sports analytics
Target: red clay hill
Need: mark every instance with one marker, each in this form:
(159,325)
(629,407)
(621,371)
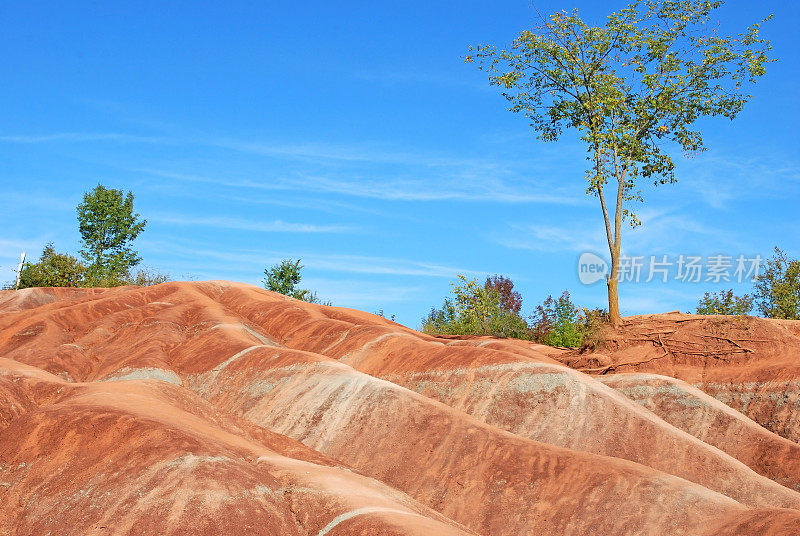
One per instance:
(221,408)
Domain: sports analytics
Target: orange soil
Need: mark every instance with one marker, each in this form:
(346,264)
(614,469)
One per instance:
(215,407)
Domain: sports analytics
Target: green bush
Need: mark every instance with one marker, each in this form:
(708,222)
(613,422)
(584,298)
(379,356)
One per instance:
(443,321)
(476,309)
(724,302)
(284,278)
(777,290)
(53,270)
(63,270)
(556,322)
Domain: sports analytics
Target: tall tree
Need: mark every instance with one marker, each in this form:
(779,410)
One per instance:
(633,88)
(777,290)
(510,299)
(108,225)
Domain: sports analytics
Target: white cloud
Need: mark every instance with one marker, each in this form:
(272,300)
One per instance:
(361,294)
(361,264)
(276,226)
(721,178)
(458,188)
(574,236)
(413,176)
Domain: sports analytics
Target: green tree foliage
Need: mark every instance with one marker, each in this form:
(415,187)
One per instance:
(777,290)
(724,302)
(284,278)
(631,88)
(108,225)
(476,309)
(63,270)
(443,321)
(493,309)
(53,270)
(557,322)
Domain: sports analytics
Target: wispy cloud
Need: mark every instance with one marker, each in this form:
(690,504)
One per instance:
(359,264)
(674,230)
(573,236)
(362,294)
(722,178)
(460,188)
(276,226)
(10,251)
(669,230)
(643,299)
(17,201)
(13,248)
(369,171)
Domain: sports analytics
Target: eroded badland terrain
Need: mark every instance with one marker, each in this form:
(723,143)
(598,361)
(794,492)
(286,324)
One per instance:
(221,408)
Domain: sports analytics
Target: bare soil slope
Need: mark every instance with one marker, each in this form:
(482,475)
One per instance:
(209,408)
(750,364)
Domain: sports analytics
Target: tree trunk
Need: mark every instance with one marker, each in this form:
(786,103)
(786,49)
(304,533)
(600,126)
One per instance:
(613,301)
(613,282)
(614,236)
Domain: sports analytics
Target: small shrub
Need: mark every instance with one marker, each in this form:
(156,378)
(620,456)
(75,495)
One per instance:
(476,309)
(592,326)
(284,278)
(146,277)
(556,322)
(724,302)
(383,315)
(53,270)
(442,321)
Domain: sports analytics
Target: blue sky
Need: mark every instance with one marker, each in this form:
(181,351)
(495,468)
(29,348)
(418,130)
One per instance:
(352,135)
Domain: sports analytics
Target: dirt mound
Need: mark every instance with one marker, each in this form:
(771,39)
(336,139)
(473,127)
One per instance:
(711,421)
(146,457)
(206,408)
(750,364)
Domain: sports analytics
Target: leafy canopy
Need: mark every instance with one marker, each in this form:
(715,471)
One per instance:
(778,288)
(510,299)
(629,87)
(108,225)
(53,270)
(557,322)
(476,309)
(494,309)
(284,278)
(724,302)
